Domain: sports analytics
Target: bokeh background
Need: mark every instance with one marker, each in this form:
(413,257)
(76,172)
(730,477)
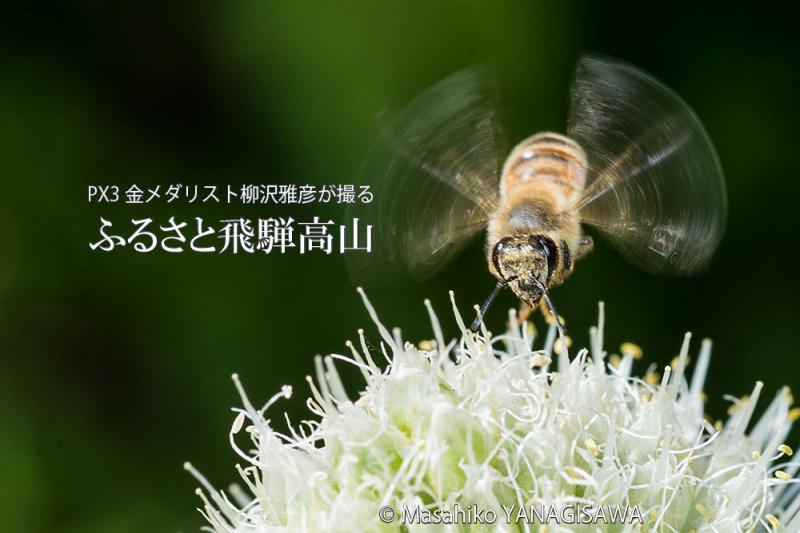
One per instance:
(115,367)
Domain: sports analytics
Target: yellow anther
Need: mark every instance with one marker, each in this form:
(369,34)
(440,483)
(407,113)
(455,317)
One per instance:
(780,474)
(629,348)
(614,359)
(718,425)
(794,414)
(557,346)
(676,360)
(573,473)
(756,455)
(591,446)
(652,378)
(786,450)
(540,360)
(703,397)
(548,317)
(774,522)
(427,346)
(702,510)
(735,408)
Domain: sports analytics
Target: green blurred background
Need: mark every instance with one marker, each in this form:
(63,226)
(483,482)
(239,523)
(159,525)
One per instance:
(115,367)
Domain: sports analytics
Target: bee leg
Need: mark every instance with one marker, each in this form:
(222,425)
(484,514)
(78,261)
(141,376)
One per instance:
(547,315)
(585,245)
(524,312)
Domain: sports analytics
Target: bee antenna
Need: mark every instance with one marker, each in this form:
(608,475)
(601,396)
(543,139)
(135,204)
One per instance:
(551,307)
(476,324)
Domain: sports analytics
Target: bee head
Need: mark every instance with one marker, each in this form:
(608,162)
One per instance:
(525,263)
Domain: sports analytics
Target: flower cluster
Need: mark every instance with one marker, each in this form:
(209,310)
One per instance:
(485,421)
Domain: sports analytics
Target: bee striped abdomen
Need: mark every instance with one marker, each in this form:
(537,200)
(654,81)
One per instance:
(544,162)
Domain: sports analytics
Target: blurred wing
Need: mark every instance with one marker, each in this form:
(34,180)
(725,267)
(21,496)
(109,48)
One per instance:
(433,176)
(655,187)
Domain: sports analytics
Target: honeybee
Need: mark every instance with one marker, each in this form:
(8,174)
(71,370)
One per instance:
(636,165)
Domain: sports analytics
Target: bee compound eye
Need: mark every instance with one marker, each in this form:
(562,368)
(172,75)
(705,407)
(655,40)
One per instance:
(498,249)
(550,251)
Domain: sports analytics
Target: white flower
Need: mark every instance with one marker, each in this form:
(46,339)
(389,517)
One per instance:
(485,423)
